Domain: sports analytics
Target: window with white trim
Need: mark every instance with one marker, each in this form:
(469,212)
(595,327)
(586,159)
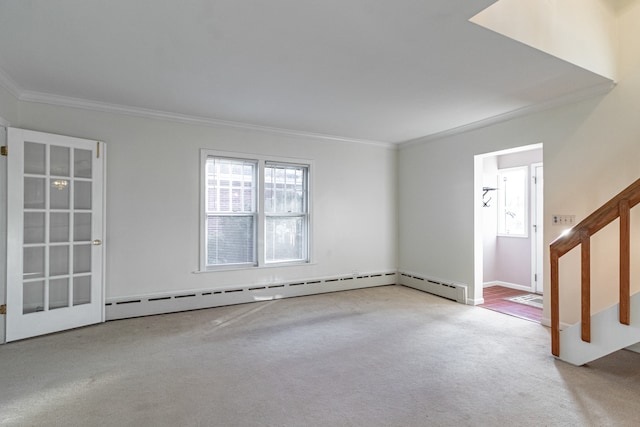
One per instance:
(255,212)
(513,202)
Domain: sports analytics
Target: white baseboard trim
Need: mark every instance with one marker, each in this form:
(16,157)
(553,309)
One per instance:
(508,285)
(476,301)
(442,288)
(145,305)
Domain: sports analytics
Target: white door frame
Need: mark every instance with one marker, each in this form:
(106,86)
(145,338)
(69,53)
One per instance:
(537,228)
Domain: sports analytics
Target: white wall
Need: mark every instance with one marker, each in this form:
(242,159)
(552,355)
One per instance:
(591,152)
(152,236)
(582,32)
(490,219)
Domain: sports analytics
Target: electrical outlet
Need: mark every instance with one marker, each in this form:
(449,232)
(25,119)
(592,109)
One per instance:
(563,220)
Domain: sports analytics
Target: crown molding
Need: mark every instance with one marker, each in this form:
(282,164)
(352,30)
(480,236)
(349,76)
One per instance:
(571,98)
(84,104)
(9,84)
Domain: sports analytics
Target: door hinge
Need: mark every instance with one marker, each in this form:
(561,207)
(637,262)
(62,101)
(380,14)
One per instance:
(535,277)
(3,309)
(4,150)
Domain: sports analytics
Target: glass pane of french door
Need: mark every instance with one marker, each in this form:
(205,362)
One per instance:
(52,249)
(53,230)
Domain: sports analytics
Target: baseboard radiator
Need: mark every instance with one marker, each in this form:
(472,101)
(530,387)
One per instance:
(122,308)
(450,290)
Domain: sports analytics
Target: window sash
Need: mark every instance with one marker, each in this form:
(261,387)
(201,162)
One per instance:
(285,188)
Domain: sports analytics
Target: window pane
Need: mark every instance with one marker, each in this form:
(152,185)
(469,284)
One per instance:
(512,215)
(58,227)
(58,293)
(34,158)
(230,240)
(58,260)
(32,297)
(82,163)
(285,239)
(82,195)
(82,258)
(285,189)
(60,160)
(59,194)
(82,290)
(34,227)
(34,193)
(230,186)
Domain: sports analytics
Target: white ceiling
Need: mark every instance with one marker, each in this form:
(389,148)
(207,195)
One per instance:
(375,70)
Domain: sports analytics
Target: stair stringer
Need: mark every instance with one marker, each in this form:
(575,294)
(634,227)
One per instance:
(607,335)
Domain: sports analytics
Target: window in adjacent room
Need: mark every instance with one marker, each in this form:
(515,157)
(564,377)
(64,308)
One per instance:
(256,212)
(513,202)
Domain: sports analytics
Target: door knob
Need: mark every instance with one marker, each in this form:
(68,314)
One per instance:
(97,242)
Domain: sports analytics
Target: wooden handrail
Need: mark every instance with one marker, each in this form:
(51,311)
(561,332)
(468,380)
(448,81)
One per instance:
(618,207)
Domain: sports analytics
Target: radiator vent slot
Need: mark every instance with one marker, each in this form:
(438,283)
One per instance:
(163,303)
(445,289)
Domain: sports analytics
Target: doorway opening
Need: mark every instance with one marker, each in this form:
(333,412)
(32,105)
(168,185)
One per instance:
(508,217)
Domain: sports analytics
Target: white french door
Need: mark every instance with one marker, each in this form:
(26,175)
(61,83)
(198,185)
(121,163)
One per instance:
(54,233)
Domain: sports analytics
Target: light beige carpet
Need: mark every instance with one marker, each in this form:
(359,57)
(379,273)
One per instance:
(388,356)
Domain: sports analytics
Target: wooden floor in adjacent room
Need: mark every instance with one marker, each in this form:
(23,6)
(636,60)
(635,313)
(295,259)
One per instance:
(494,299)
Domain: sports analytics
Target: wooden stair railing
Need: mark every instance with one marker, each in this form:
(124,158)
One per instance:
(618,207)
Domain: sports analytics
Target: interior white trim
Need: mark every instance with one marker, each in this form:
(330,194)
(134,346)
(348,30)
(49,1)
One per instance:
(9,84)
(577,96)
(65,101)
(51,99)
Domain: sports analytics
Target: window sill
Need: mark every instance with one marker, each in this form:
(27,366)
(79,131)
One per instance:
(253,267)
